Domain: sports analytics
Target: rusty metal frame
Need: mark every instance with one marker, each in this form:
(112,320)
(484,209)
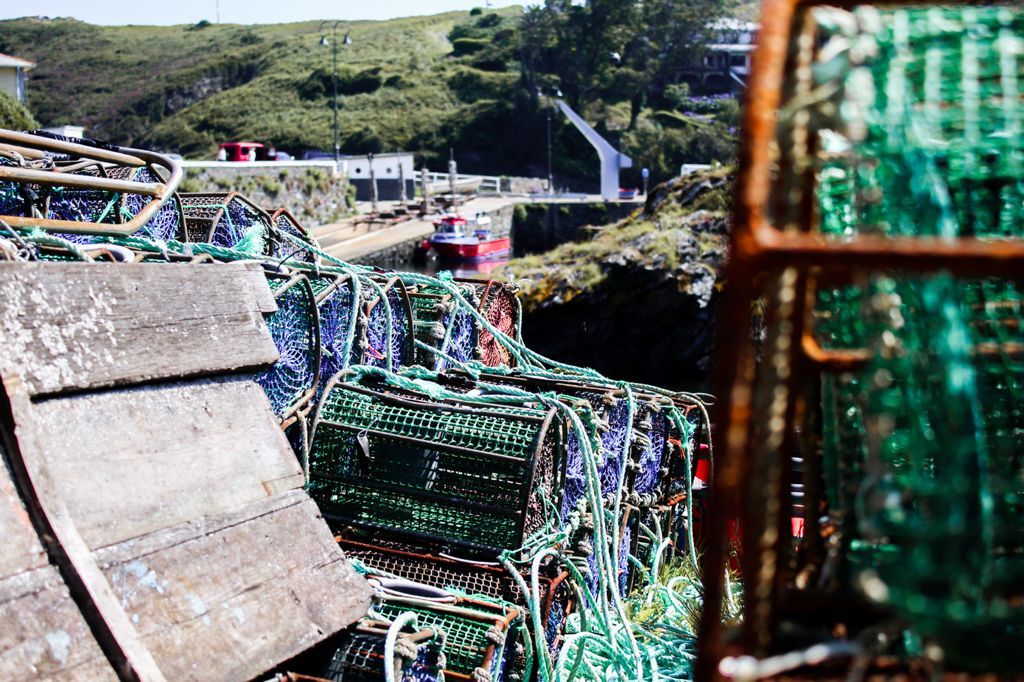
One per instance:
(784,261)
(225,199)
(37,147)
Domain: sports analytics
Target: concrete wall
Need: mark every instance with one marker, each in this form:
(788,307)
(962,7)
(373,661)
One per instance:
(387,190)
(313,192)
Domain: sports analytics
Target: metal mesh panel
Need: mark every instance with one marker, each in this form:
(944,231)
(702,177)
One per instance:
(93,205)
(222,219)
(294,328)
(282,247)
(447,471)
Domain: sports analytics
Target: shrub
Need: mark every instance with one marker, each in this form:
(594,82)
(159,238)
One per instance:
(464,46)
(489,21)
(476,11)
(15,116)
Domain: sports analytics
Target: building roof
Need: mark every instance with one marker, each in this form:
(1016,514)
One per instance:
(15,62)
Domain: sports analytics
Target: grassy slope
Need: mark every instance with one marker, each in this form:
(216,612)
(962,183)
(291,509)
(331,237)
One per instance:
(126,83)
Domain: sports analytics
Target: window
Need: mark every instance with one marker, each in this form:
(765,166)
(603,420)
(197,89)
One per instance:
(711,60)
(738,60)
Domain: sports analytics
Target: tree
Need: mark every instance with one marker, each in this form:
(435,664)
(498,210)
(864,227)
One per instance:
(634,48)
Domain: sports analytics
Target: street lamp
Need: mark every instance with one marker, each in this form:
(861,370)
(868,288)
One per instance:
(333,42)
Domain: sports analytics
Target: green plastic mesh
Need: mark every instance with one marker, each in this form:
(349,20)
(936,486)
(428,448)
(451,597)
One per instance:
(466,634)
(462,474)
(923,457)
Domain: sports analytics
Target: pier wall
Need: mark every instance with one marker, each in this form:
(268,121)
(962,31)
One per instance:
(312,191)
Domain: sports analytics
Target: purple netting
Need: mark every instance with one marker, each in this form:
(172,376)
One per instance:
(292,330)
(556,616)
(98,206)
(235,223)
(648,476)
(335,316)
(613,439)
(461,340)
(377,331)
(575,477)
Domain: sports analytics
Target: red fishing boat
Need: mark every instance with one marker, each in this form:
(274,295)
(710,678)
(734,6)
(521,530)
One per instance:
(457,239)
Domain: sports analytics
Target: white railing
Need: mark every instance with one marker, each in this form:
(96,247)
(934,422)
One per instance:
(488,183)
(313,163)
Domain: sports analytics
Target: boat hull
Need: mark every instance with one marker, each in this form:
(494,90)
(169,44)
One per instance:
(472,250)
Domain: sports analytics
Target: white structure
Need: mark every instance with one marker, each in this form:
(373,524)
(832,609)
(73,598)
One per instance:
(13,72)
(390,172)
(612,161)
(385,166)
(66,131)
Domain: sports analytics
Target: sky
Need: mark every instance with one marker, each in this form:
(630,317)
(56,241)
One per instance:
(234,11)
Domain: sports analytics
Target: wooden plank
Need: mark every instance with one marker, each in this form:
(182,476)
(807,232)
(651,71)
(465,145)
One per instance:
(232,597)
(129,462)
(67,326)
(56,529)
(44,635)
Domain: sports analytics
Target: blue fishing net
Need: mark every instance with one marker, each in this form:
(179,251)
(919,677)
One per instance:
(335,311)
(377,332)
(649,474)
(292,327)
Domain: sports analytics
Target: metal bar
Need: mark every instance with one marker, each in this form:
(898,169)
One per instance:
(126,158)
(59,179)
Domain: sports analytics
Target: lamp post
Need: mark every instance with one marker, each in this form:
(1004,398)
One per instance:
(333,42)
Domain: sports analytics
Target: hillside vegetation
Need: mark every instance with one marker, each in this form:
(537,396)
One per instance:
(427,84)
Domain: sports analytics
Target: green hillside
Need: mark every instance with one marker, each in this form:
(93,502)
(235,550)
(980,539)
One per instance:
(407,83)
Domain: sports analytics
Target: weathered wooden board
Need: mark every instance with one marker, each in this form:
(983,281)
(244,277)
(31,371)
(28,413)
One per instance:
(42,633)
(128,462)
(88,325)
(229,598)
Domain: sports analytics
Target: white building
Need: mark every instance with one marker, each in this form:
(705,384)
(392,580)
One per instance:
(13,74)
(726,62)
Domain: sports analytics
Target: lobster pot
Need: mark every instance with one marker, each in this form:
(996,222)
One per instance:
(360,655)
(427,565)
(462,475)
(385,324)
(225,219)
(480,634)
(290,247)
(439,321)
(501,308)
(94,205)
(291,381)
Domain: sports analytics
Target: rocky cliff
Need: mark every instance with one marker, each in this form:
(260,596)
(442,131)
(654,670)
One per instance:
(638,299)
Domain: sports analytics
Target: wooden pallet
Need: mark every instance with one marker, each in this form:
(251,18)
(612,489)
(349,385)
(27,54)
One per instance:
(152,513)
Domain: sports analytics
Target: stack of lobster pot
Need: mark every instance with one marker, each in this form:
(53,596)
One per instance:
(436,489)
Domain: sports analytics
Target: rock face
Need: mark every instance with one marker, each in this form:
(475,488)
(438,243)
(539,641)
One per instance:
(639,299)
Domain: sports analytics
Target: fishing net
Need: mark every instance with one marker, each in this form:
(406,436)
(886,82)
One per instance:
(917,121)
(228,220)
(289,240)
(335,297)
(501,308)
(386,335)
(360,656)
(444,329)
(445,471)
(291,380)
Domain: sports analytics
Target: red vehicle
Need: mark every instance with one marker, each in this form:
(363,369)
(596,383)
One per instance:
(454,242)
(239,151)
